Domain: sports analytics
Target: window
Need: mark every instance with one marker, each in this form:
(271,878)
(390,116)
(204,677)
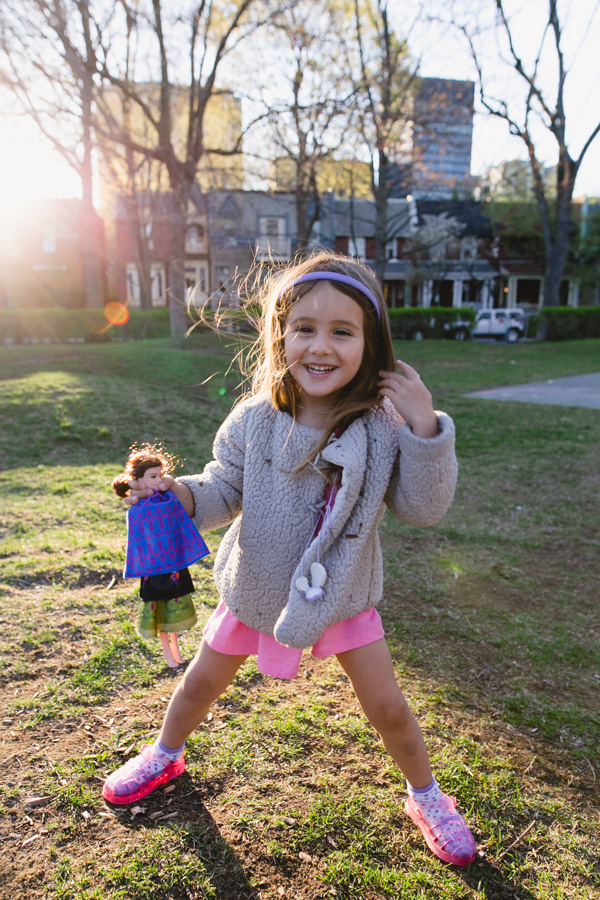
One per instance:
(195,239)
(271,226)
(132,278)
(391,250)
(357,247)
(222,273)
(157,284)
(437,253)
(196,282)
(468,248)
(49,243)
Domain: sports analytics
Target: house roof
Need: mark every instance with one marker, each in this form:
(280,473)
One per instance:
(356,218)
(471,213)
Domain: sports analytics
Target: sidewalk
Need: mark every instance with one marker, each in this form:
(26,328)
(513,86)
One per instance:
(579,390)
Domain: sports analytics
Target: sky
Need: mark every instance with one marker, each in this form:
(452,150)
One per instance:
(444,53)
(30,169)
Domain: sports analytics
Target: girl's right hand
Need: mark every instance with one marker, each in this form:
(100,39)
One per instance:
(138,492)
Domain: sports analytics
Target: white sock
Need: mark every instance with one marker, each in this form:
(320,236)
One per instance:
(159,749)
(426,795)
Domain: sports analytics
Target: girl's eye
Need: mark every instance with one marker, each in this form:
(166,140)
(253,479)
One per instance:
(342,331)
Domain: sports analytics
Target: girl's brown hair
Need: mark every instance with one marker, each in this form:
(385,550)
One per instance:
(270,375)
(148,456)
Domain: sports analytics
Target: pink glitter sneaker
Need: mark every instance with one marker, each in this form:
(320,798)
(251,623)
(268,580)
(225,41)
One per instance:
(140,776)
(447,834)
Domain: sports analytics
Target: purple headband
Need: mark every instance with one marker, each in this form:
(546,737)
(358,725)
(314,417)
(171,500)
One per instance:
(343,279)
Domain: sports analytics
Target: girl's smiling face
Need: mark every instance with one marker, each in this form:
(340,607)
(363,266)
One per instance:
(323,344)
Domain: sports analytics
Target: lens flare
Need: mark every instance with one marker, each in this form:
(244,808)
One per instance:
(116,313)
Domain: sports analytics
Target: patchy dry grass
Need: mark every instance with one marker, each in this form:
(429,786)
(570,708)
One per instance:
(491,616)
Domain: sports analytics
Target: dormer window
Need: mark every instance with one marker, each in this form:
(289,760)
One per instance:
(468,248)
(195,239)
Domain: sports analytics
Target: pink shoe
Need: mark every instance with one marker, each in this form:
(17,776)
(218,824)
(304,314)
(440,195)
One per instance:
(449,838)
(139,777)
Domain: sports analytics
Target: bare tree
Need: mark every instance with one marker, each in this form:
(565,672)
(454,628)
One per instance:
(386,82)
(172,102)
(309,118)
(153,112)
(537,106)
(55,86)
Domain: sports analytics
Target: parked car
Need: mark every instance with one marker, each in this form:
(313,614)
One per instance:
(507,324)
(458,330)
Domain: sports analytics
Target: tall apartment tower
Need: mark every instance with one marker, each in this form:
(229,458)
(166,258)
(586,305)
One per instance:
(442,138)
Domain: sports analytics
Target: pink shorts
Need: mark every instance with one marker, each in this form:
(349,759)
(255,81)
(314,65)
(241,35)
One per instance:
(226,634)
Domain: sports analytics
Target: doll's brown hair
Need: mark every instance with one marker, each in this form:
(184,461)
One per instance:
(141,458)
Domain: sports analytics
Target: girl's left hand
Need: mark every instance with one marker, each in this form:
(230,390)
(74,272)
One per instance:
(411,398)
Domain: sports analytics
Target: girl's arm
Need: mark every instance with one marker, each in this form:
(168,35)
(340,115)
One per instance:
(422,486)
(183,494)
(217,491)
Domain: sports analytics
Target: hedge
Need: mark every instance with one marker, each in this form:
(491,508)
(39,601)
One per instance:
(427,321)
(567,323)
(57,324)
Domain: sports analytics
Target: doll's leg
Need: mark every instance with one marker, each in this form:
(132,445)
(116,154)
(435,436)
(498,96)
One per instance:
(371,672)
(164,637)
(174,643)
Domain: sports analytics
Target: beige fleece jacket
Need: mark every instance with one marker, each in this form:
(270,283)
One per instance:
(382,464)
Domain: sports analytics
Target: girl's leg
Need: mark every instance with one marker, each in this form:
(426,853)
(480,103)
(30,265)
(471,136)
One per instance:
(208,675)
(164,638)
(372,675)
(371,672)
(174,644)
(206,678)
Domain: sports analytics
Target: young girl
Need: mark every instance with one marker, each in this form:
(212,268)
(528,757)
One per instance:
(161,543)
(334,431)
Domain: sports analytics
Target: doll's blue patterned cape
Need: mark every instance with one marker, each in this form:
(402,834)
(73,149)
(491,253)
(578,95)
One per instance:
(161,537)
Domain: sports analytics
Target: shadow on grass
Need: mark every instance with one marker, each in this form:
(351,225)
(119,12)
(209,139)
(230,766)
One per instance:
(489,878)
(204,856)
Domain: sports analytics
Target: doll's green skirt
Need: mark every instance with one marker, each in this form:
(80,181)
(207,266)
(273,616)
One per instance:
(171,616)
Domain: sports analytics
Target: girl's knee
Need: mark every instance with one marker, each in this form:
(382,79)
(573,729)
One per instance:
(198,685)
(390,715)
(208,675)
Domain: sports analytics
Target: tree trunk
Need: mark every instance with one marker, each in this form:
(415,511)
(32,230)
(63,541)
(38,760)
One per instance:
(92,238)
(177,292)
(556,257)
(381,211)
(558,243)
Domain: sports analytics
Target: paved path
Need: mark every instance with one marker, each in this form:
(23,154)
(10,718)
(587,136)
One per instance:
(579,390)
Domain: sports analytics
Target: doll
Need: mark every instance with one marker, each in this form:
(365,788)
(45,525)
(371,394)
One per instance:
(161,542)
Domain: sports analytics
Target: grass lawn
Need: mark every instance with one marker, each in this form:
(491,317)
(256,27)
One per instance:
(492,618)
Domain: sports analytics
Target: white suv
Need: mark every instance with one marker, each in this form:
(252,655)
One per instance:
(500,323)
